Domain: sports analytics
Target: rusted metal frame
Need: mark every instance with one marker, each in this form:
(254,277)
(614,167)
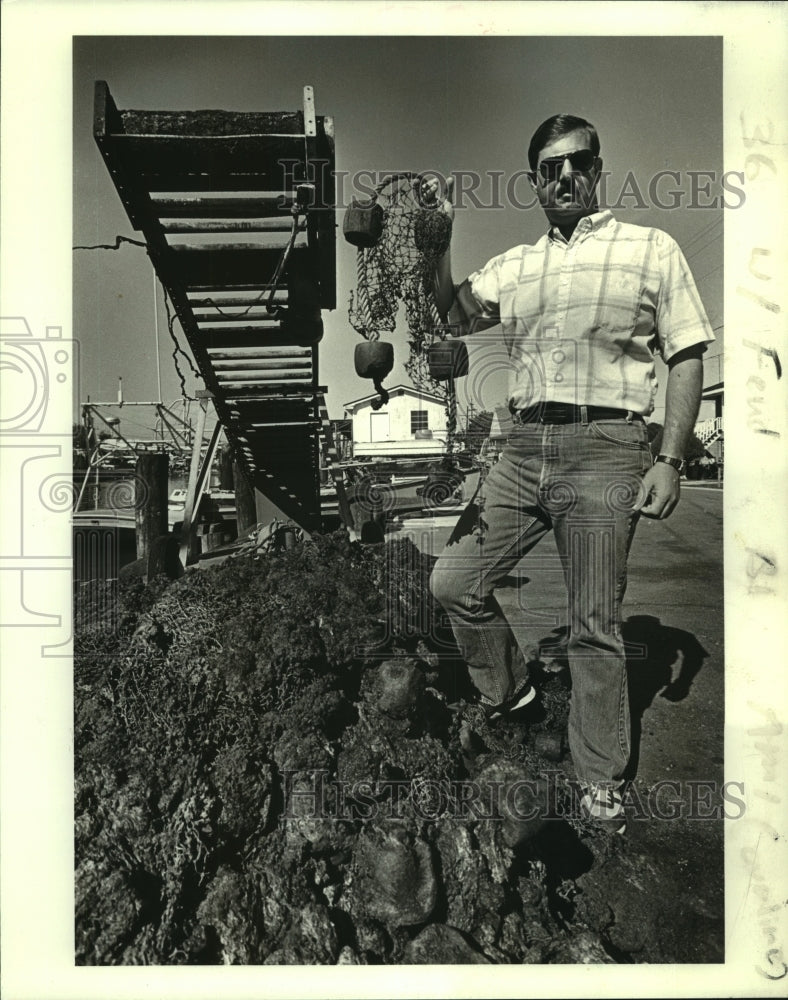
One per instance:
(326,214)
(209,122)
(191,488)
(95,460)
(255,364)
(310,155)
(217,137)
(180,420)
(253,426)
(280,247)
(284,452)
(237,184)
(138,207)
(199,472)
(261,324)
(261,352)
(260,423)
(231,388)
(269,480)
(227,267)
(162,256)
(262,204)
(256,287)
(189,146)
(218,314)
(93,407)
(192,332)
(260,225)
(307,514)
(290,454)
(318,394)
(216,338)
(257,162)
(141,212)
(268,393)
(206,301)
(319,171)
(178,436)
(143,216)
(216,310)
(331,459)
(106,120)
(282,265)
(225,376)
(262,413)
(271,378)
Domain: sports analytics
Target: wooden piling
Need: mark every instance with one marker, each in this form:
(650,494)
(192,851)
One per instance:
(163,558)
(245,505)
(150,508)
(226,481)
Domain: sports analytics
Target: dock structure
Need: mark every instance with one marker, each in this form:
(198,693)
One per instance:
(238,212)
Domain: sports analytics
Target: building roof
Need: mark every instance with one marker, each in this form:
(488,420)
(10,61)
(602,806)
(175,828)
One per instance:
(712,391)
(397,390)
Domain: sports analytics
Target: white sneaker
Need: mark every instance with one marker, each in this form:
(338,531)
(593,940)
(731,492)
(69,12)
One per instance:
(604,806)
(523,696)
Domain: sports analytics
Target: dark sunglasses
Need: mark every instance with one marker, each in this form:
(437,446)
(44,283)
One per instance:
(581,160)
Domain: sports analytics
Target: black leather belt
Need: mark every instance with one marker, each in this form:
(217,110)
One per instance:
(570,413)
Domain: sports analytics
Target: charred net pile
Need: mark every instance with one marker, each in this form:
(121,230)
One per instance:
(270,768)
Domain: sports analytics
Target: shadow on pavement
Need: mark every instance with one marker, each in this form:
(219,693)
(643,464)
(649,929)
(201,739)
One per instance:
(660,660)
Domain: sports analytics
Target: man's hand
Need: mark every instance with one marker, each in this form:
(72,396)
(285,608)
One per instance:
(660,492)
(430,192)
(661,482)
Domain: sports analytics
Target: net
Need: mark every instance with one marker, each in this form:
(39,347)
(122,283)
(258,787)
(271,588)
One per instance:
(399,268)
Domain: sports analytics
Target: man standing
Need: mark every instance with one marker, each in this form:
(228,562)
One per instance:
(582,312)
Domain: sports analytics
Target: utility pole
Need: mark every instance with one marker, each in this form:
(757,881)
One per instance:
(470,413)
(150,513)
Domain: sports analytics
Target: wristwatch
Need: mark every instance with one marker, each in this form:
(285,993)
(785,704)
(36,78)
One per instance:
(670,460)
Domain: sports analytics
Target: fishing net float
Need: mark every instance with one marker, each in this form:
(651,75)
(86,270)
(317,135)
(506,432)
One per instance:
(400,238)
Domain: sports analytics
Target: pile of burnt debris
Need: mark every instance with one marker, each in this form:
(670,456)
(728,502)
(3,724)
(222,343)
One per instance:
(278,762)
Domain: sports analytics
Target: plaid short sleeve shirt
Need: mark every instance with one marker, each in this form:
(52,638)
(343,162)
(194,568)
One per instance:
(583,319)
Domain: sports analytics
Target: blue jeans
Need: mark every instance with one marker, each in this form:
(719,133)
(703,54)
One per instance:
(582,481)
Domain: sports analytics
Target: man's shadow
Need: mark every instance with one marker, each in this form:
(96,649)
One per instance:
(661,660)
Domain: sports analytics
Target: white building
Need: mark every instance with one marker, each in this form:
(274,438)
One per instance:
(412,423)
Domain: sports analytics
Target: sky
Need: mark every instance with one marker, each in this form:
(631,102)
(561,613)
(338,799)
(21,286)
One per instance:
(402,102)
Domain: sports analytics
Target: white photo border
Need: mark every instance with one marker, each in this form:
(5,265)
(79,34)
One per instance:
(37,700)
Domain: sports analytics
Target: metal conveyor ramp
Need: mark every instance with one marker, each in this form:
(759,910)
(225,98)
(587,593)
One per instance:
(238,211)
